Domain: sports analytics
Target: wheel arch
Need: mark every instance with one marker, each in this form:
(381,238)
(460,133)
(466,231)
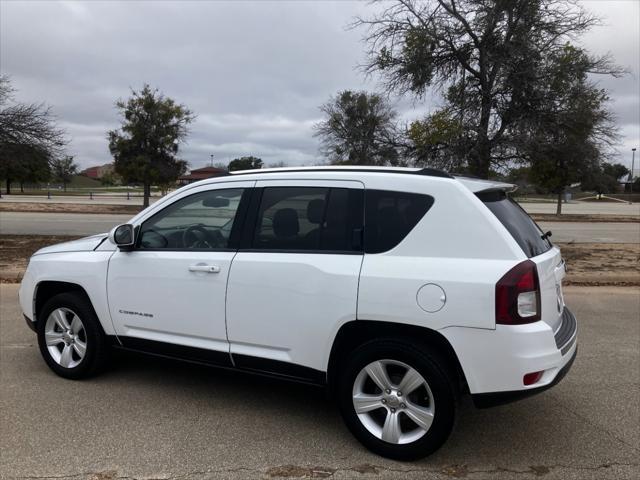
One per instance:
(47,289)
(357,332)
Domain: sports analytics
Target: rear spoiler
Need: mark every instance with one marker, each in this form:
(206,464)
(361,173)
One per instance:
(477,185)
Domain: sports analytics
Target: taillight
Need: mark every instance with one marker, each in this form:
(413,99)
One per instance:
(518,295)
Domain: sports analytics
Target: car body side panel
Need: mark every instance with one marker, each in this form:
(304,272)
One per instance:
(86,269)
(459,246)
(390,285)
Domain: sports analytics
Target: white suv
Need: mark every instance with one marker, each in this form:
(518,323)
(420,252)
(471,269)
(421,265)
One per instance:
(399,289)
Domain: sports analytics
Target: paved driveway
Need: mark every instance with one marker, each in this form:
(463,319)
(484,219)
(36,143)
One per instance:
(151,418)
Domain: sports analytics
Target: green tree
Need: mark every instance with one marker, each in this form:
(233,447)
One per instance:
(245,163)
(358,129)
(145,148)
(436,141)
(615,170)
(485,55)
(29,137)
(24,164)
(605,178)
(568,133)
(63,170)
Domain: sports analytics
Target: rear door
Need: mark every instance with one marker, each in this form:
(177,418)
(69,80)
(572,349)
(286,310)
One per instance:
(537,246)
(294,281)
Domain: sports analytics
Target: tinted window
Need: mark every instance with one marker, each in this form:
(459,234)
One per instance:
(390,216)
(308,219)
(519,224)
(199,222)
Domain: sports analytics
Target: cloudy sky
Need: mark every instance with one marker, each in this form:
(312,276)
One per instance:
(254,72)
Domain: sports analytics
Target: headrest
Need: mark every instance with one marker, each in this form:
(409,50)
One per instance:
(285,223)
(315,211)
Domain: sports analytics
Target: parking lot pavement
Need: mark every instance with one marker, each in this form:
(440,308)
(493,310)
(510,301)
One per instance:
(151,418)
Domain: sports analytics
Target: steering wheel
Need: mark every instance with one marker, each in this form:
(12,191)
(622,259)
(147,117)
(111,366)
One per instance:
(197,236)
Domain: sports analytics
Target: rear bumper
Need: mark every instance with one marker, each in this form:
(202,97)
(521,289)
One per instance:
(495,362)
(487,400)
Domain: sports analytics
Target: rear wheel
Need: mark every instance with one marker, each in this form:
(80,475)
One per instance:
(70,337)
(397,399)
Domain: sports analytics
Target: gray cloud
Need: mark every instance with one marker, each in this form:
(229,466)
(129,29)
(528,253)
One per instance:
(254,72)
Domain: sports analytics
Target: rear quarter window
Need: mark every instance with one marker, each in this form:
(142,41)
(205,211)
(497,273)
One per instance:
(390,216)
(519,224)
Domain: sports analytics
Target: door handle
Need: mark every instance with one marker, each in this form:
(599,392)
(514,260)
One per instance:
(204,268)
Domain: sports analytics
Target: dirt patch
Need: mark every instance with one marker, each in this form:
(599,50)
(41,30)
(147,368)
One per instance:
(587,263)
(602,263)
(576,217)
(69,208)
(15,251)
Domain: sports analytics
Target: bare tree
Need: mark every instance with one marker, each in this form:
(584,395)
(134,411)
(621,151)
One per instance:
(25,128)
(482,54)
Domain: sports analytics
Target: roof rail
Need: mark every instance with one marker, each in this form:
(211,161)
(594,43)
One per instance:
(434,172)
(431,172)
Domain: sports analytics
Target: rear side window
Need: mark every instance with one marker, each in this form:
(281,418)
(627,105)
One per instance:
(390,216)
(519,224)
(309,219)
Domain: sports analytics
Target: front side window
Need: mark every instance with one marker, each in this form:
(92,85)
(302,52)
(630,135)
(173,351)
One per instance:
(202,221)
(308,219)
(390,216)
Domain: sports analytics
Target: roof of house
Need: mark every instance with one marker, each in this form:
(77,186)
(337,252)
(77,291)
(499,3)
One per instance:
(202,173)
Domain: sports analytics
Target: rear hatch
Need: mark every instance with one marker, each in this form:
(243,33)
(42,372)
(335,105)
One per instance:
(537,246)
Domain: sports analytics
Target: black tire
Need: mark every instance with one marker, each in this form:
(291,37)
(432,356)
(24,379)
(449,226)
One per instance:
(430,366)
(97,351)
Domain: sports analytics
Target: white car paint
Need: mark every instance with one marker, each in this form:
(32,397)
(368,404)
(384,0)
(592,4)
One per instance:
(289,306)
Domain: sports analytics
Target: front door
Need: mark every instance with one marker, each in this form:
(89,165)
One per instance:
(169,291)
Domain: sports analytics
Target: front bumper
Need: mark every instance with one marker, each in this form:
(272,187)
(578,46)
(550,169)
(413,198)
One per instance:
(30,324)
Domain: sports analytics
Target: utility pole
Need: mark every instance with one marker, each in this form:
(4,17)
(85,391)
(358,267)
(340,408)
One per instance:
(633,158)
(211,159)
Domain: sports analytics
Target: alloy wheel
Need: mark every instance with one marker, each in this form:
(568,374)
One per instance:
(65,337)
(393,401)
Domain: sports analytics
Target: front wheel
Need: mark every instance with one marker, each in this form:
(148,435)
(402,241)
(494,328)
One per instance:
(70,337)
(397,399)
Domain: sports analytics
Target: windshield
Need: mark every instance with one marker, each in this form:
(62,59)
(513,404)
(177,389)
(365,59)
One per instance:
(519,224)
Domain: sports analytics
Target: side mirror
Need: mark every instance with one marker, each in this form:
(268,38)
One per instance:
(122,236)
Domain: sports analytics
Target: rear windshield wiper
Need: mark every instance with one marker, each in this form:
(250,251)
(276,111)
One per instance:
(546,235)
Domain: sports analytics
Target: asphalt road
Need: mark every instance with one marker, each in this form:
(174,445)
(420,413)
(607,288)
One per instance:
(151,418)
(592,232)
(89,224)
(22,223)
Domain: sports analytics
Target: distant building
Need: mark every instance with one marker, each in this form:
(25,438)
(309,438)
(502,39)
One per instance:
(201,174)
(98,172)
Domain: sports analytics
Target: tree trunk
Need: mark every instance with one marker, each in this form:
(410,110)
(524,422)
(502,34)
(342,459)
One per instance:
(559,206)
(21,187)
(8,186)
(64,185)
(147,194)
